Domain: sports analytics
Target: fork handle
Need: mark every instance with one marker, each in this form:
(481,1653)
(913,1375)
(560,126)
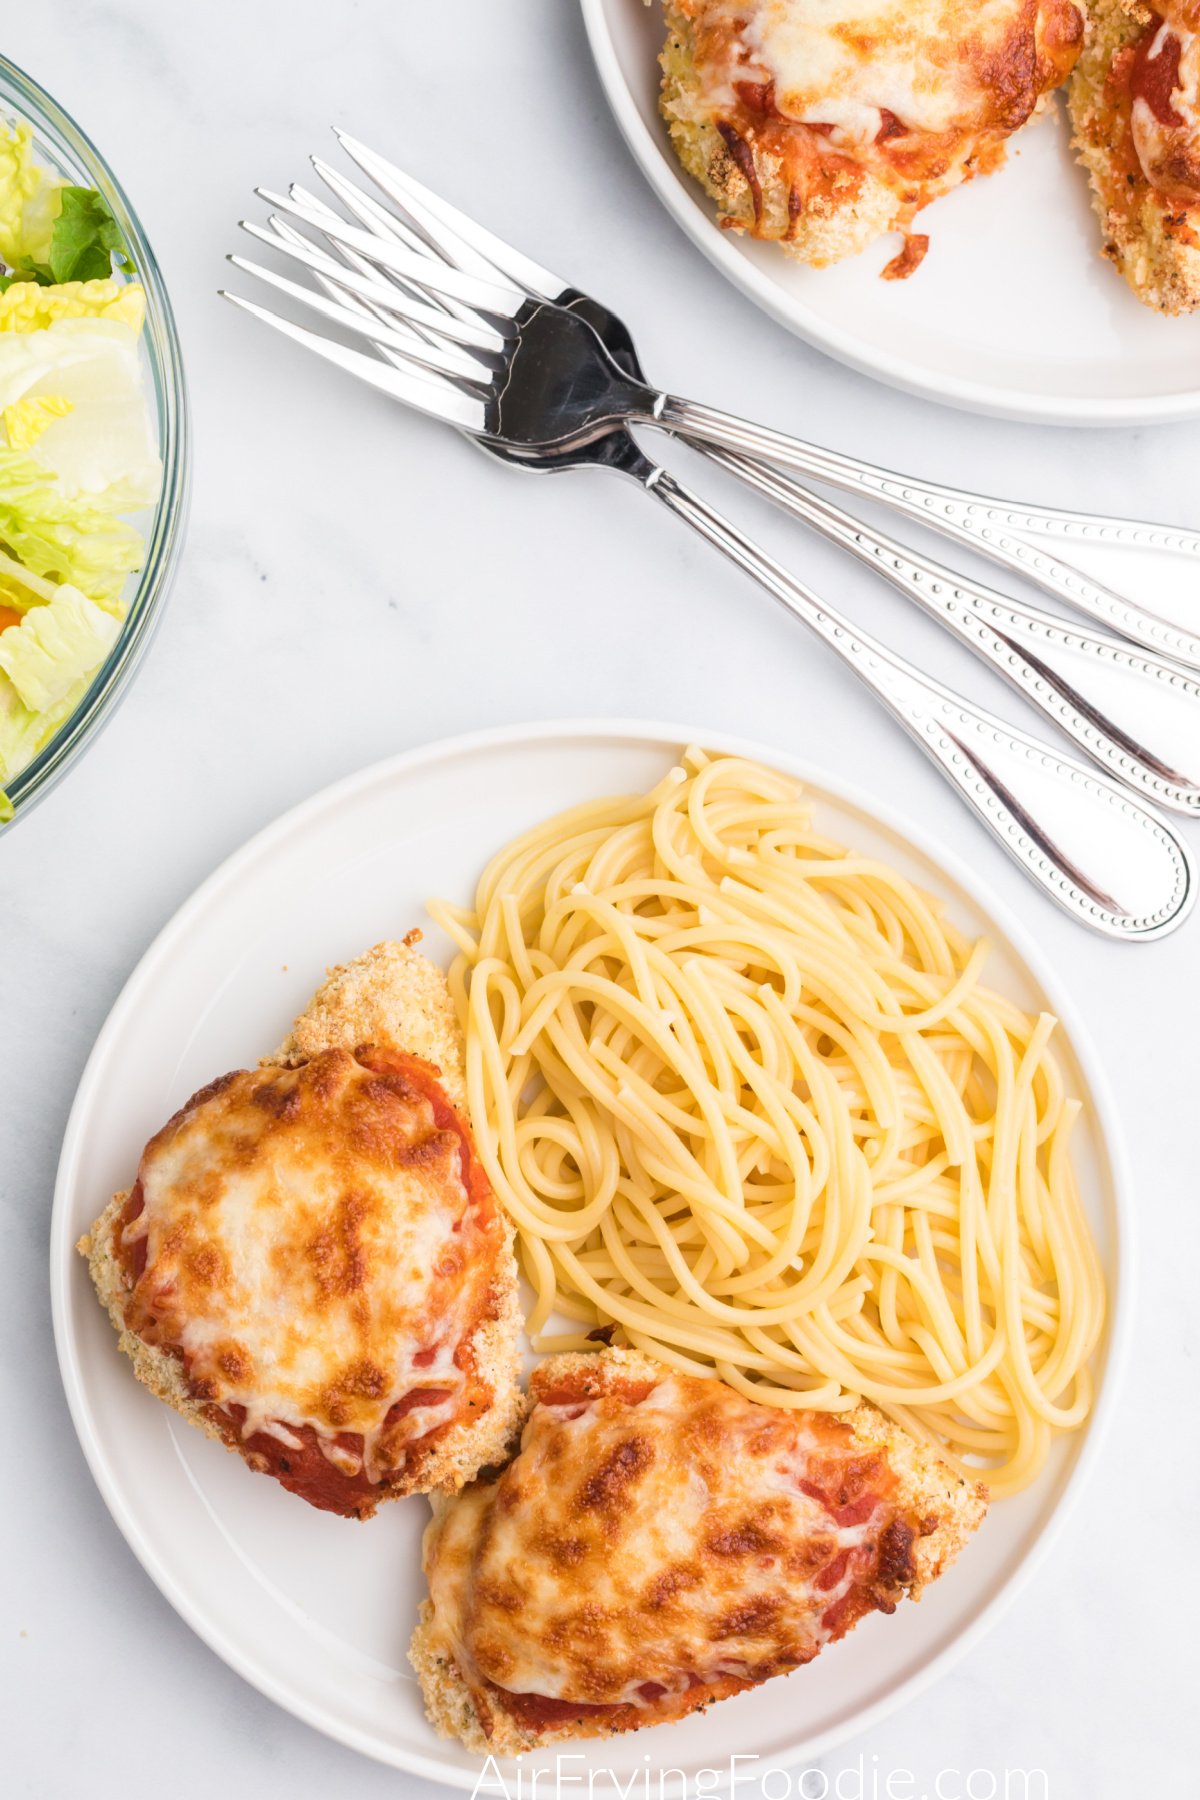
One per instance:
(1134,713)
(1034,542)
(1087,842)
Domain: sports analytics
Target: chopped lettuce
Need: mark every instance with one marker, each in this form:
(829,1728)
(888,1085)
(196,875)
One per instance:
(54,646)
(26,307)
(23,732)
(20,588)
(29,200)
(50,230)
(93,432)
(24,421)
(64,537)
(83,242)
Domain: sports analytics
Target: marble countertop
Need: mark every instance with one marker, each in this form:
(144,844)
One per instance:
(352,587)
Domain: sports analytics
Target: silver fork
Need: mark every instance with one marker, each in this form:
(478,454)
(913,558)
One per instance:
(1035,542)
(1137,715)
(1085,839)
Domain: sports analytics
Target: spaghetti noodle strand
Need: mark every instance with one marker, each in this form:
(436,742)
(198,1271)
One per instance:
(745,1097)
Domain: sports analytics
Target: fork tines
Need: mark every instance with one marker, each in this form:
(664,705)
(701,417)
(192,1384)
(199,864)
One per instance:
(413,277)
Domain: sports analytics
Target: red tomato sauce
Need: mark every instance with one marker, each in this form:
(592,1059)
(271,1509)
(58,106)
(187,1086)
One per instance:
(1155,78)
(539,1711)
(307,1471)
(424,1077)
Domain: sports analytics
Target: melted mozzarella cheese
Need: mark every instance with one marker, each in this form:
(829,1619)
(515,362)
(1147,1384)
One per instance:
(666,1543)
(845,63)
(307,1234)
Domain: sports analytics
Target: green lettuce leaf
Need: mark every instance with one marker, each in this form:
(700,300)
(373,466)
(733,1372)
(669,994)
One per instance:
(73,538)
(83,241)
(50,230)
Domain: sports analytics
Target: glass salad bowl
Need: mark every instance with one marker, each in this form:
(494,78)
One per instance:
(60,145)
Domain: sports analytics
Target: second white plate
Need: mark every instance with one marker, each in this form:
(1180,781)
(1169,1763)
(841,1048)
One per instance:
(1013,312)
(316,1611)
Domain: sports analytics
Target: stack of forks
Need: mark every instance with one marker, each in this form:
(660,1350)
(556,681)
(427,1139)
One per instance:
(464,328)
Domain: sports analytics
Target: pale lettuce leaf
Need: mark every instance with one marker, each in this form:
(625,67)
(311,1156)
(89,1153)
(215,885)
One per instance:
(54,646)
(98,441)
(30,198)
(20,588)
(27,307)
(65,538)
(24,421)
(23,731)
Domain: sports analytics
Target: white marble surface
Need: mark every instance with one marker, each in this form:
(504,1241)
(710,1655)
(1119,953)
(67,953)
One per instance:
(356,582)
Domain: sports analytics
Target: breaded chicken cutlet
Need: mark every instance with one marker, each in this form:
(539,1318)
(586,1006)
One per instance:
(823,124)
(311,1265)
(660,1542)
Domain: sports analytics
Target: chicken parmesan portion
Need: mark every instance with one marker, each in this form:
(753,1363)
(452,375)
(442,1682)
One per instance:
(823,124)
(312,1267)
(1135,105)
(660,1542)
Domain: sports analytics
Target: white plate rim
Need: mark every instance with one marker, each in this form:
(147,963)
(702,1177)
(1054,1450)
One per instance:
(689,212)
(1018,936)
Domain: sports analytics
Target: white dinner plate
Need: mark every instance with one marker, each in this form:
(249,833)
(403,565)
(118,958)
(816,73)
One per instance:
(315,1610)
(1014,310)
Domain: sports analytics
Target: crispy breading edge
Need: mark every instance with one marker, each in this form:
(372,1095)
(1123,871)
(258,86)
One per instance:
(390,995)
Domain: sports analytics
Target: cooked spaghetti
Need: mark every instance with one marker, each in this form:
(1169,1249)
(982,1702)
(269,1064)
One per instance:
(745,1099)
